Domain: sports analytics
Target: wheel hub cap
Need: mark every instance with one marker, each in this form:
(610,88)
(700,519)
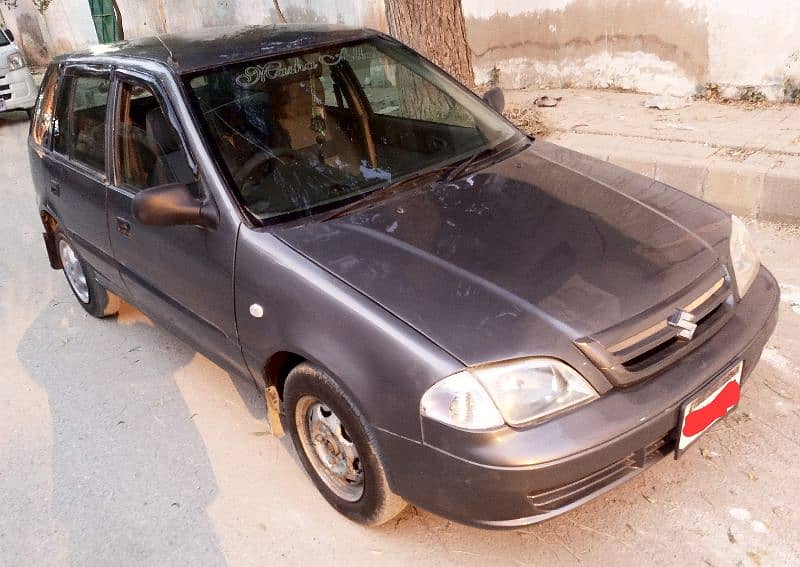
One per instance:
(330,449)
(74,271)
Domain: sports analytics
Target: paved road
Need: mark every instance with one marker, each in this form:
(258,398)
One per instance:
(121,445)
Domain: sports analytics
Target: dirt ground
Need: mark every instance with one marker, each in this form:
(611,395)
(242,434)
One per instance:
(121,445)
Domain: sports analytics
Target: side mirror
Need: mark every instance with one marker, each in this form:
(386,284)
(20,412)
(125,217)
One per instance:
(174,204)
(495,98)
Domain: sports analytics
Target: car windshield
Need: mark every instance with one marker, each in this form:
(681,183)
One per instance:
(313,131)
(3,38)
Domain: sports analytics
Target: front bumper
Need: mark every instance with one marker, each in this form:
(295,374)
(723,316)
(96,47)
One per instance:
(511,477)
(17,89)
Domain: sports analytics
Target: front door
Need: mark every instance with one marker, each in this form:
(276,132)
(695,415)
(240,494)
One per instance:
(181,276)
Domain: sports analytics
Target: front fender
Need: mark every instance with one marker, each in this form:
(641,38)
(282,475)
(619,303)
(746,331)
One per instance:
(380,361)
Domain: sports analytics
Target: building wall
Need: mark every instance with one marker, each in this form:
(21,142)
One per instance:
(67,25)
(660,46)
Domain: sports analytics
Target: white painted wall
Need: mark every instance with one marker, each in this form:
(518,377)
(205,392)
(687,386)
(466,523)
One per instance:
(749,42)
(753,42)
(746,42)
(67,24)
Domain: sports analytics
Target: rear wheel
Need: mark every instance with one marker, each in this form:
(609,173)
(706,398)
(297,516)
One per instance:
(93,297)
(336,447)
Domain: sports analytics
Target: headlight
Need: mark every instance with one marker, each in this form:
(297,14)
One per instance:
(743,256)
(519,392)
(16,61)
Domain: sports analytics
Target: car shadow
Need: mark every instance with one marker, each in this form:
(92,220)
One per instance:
(131,476)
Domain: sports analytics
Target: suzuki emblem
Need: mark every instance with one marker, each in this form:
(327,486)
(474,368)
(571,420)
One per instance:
(685,324)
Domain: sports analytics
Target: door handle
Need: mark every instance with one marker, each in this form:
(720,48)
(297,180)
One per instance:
(55,187)
(123,227)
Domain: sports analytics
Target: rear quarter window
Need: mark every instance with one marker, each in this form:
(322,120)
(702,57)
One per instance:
(42,124)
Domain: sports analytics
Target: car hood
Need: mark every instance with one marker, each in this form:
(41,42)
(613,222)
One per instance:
(520,258)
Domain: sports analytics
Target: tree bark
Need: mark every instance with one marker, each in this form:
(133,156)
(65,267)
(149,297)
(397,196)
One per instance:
(436,29)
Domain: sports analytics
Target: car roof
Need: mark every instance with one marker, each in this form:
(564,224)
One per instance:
(211,47)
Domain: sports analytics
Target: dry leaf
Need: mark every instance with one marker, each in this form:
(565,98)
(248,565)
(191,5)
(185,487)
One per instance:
(755,557)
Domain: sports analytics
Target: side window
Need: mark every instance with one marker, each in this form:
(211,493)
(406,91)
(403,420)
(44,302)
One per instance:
(147,148)
(79,128)
(45,105)
(61,121)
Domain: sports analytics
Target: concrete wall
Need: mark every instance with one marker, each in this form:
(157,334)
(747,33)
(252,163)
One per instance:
(67,24)
(659,46)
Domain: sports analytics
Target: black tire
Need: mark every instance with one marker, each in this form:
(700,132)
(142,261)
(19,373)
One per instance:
(377,504)
(101,302)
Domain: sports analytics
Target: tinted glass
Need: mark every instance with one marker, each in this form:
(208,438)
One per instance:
(304,133)
(43,117)
(148,150)
(3,38)
(395,90)
(88,121)
(61,122)
(80,120)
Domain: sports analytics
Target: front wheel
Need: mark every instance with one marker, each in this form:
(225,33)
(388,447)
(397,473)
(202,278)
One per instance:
(93,297)
(336,448)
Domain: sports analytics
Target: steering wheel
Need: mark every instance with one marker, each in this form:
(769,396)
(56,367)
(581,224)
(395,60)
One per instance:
(260,159)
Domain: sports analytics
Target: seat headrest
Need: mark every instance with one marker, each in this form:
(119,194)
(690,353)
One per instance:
(161,131)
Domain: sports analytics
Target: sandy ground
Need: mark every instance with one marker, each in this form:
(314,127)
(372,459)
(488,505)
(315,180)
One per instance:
(121,445)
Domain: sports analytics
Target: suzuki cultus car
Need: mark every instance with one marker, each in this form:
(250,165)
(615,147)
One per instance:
(439,309)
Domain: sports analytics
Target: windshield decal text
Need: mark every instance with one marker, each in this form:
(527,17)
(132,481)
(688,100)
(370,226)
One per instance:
(286,68)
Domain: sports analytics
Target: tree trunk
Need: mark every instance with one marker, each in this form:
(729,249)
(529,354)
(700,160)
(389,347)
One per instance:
(436,29)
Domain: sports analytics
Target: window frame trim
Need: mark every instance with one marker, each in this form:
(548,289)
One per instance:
(77,70)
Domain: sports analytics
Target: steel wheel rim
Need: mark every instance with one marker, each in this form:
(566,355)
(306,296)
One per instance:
(74,271)
(329,448)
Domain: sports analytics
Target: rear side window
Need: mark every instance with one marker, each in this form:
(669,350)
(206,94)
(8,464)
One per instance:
(43,118)
(79,128)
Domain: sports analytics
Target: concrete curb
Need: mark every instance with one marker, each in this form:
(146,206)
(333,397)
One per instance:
(763,186)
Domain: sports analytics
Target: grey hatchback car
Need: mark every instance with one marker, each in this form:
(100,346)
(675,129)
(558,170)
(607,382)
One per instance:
(438,309)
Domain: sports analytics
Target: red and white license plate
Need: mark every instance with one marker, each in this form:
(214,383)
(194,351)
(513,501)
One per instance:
(708,407)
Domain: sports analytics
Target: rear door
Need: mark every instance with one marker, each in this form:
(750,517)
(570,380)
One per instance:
(78,180)
(180,275)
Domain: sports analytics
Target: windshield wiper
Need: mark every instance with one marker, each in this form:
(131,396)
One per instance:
(377,194)
(462,166)
(381,193)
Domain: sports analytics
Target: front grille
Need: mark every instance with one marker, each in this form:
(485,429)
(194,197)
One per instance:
(631,351)
(5,89)
(544,502)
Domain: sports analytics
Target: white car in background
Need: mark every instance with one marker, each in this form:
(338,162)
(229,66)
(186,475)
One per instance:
(17,89)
